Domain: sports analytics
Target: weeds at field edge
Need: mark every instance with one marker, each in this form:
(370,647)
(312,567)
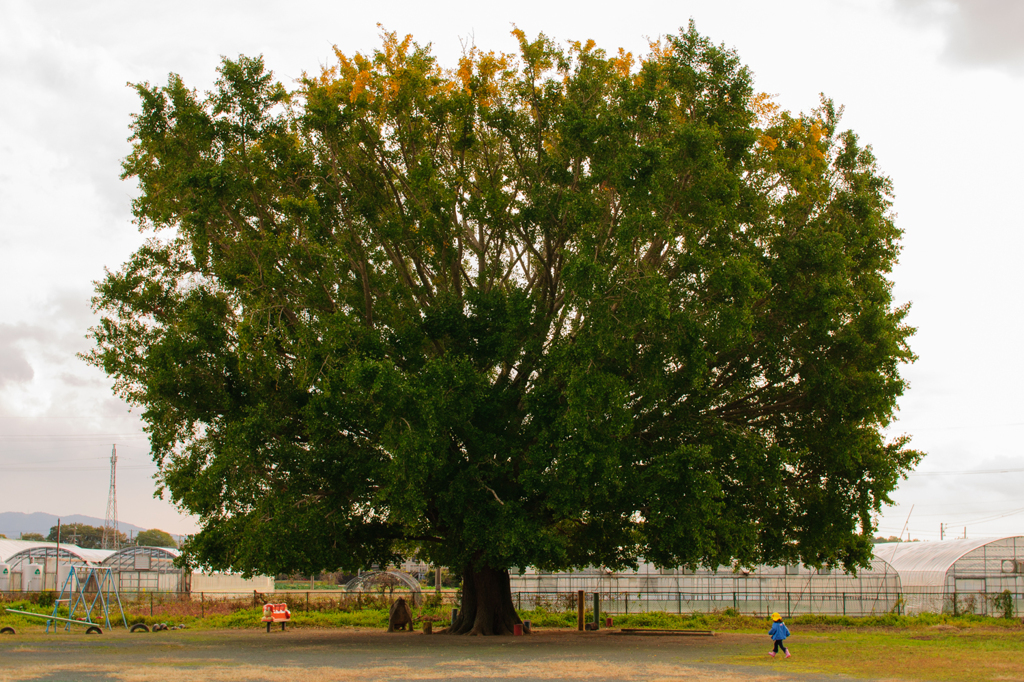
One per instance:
(219,617)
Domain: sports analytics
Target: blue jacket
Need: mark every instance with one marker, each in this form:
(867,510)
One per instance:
(779,630)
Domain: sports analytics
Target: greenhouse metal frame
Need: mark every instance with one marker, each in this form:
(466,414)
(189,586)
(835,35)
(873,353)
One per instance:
(791,590)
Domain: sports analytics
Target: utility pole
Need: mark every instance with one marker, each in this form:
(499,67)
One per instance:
(111,538)
(905,524)
(942,531)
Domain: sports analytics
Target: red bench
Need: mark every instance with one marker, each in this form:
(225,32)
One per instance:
(276,613)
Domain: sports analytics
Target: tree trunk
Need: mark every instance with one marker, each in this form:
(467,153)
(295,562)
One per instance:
(487,607)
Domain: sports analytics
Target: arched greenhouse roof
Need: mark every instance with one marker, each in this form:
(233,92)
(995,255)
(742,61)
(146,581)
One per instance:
(154,559)
(925,564)
(33,551)
(8,548)
(879,566)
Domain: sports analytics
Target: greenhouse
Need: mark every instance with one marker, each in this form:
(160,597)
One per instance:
(983,576)
(147,569)
(958,576)
(9,548)
(790,590)
(32,566)
(29,566)
(152,569)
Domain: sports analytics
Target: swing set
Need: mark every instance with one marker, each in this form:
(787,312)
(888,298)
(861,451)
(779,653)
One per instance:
(85,587)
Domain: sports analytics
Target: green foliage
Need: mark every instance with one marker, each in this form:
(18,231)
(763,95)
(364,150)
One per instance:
(725,621)
(448,579)
(552,309)
(154,537)
(882,540)
(304,585)
(439,602)
(82,535)
(236,614)
(542,618)
(1004,602)
(37,537)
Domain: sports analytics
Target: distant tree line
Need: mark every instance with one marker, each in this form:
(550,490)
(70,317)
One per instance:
(91,537)
(892,538)
(82,534)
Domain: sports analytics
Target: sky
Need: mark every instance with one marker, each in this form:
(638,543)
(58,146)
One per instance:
(934,86)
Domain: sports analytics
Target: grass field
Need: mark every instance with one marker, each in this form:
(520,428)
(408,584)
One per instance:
(940,652)
(227,614)
(351,646)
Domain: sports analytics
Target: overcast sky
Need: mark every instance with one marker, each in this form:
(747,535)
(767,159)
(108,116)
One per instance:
(935,86)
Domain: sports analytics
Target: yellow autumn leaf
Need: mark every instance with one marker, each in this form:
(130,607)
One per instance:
(359,86)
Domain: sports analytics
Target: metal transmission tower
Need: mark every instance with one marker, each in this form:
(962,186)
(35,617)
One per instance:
(111,536)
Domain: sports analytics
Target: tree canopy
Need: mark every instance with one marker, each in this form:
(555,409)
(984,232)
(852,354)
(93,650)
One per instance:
(559,308)
(82,535)
(154,537)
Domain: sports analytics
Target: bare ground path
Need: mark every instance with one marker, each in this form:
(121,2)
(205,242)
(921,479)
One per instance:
(356,655)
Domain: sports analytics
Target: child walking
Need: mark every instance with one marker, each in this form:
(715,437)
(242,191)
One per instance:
(778,633)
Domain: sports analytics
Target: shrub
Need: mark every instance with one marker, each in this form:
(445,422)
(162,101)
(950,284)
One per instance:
(1004,602)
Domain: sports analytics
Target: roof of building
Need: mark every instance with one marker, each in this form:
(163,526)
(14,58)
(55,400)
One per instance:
(924,564)
(93,556)
(878,566)
(9,549)
(124,558)
(149,550)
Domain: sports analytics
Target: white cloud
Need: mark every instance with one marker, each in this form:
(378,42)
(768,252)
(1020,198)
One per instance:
(978,32)
(14,367)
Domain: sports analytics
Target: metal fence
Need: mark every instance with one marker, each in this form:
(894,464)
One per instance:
(761,604)
(787,603)
(201,604)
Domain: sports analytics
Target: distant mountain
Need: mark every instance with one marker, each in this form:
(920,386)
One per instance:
(13,524)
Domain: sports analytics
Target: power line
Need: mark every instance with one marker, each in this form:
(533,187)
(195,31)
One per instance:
(910,429)
(62,461)
(68,460)
(18,469)
(64,436)
(995,516)
(58,416)
(965,472)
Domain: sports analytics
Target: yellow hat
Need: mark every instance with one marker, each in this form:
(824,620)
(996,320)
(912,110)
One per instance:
(776,616)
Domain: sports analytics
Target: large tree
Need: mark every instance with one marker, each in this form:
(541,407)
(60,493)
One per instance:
(554,309)
(154,537)
(82,535)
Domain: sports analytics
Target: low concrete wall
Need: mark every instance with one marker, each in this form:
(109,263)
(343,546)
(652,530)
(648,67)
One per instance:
(230,582)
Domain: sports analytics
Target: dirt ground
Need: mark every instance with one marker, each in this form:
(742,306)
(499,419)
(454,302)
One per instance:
(351,655)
